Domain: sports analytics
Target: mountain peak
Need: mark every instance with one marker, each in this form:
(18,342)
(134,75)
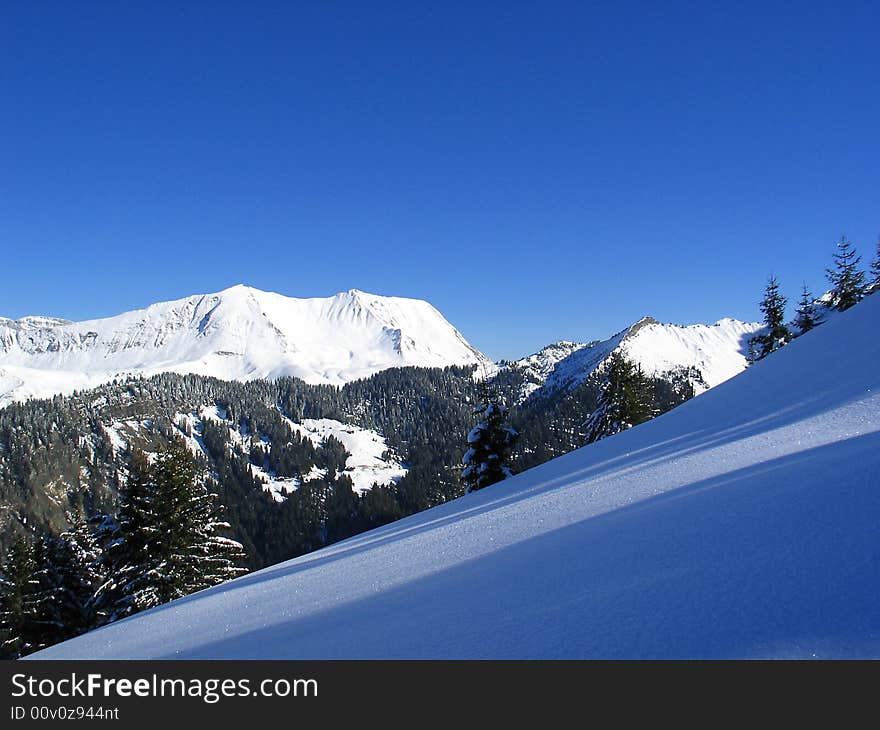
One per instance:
(708,355)
(643,322)
(239,333)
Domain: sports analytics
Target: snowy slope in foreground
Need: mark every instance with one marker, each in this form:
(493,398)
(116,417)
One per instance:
(741,524)
(240,333)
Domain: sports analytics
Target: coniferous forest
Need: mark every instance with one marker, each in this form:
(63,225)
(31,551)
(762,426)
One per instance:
(60,470)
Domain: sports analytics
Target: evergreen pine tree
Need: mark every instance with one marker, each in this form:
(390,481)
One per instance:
(806,318)
(168,541)
(199,554)
(46,594)
(875,271)
(489,443)
(70,576)
(130,546)
(776,334)
(847,280)
(51,565)
(625,400)
(342,510)
(19,600)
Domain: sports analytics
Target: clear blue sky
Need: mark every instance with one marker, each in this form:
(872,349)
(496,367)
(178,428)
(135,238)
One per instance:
(538,171)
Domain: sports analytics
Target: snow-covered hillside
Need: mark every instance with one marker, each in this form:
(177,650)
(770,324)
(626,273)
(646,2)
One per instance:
(741,524)
(710,353)
(540,366)
(370,461)
(237,334)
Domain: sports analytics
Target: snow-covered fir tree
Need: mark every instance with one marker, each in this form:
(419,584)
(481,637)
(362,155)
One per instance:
(197,555)
(874,284)
(490,443)
(70,574)
(19,600)
(342,510)
(625,400)
(168,540)
(806,317)
(131,544)
(47,585)
(775,334)
(59,604)
(847,280)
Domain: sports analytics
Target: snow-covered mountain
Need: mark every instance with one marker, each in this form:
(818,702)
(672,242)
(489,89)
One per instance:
(741,524)
(706,354)
(240,333)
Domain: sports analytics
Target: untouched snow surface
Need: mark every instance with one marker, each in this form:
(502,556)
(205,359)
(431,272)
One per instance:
(240,333)
(742,524)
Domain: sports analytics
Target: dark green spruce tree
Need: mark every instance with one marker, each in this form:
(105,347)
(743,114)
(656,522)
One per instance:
(63,593)
(168,541)
(847,280)
(129,543)
(775,334)
(342,510)
(625,399)
(19,600)
(48,584)
(196,553)
(490,443)
(874,284)
(73,574)
(806,318)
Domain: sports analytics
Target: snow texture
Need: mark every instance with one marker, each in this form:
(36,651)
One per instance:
(741,524)
(237,334)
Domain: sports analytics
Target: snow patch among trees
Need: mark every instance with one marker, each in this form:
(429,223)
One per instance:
(741,524)
(369,462)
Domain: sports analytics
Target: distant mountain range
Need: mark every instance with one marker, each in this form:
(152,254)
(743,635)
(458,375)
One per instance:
(240,334)
(244,334)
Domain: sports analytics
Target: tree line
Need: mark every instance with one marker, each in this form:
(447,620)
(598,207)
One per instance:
(849,285)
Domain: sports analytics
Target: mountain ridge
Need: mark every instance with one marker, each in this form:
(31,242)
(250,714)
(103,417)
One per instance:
(239,333)
(243,333)
(707,354)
